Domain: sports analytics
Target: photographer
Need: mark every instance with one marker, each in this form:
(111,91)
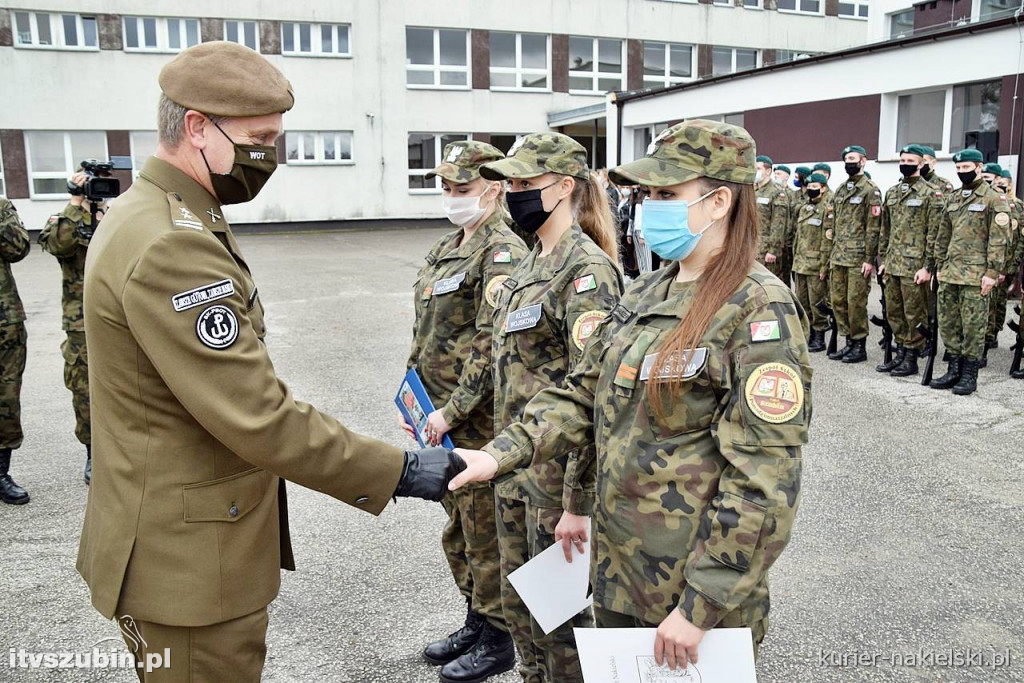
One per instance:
(67,236)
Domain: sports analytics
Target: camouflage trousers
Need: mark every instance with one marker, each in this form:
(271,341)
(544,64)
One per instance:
(906,304)
(997,310)
(524,531)
(13,353)
(786,269)
(811,290)
(963,317)
(849,291)
(470,543)
(608,619)
(76,379)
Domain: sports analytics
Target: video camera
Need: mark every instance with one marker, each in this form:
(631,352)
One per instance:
(99,186)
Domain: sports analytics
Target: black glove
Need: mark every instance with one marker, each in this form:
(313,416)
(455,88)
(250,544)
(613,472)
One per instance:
(427,472)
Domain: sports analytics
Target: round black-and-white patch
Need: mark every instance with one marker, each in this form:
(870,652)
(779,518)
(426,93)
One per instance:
(217,327)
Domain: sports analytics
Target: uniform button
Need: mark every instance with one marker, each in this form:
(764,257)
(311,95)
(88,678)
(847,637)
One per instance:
(177,197)
(233,511)
(362,499)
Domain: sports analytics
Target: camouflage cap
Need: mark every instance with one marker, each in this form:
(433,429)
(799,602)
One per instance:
(823,167)
(919,150)
(994,169)
(968,155)
(461,161)
(817,178)
(693,149)
(540,153)
(857,149)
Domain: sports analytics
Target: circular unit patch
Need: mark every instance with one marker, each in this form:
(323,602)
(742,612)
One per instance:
(217,327)
(492,289)
(1002,219)
(774,393)
(585,326)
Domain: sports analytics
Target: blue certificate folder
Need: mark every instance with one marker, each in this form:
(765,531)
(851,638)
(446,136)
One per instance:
(415,405)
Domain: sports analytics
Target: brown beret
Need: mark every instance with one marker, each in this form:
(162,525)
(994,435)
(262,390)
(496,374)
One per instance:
(226,79)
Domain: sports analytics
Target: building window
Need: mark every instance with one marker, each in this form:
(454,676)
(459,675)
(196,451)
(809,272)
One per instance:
(920,119)
(727,60)
(424,151)
(595,64)
(975,108)
(667,63)
(732,119)
(784,56)
(331,147)
(54,156)
(244,33)
(159,34)
(143,144)
(802,6)
(992,9)
(901,24)
(753,4)
(853,9)
(55,31)
(519,61)
(319,40)
(436,58)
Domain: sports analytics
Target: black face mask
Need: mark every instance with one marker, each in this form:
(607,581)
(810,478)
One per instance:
(926,170)
(967,177)
(908,169)
(813,194)
(527,208)
(852,168)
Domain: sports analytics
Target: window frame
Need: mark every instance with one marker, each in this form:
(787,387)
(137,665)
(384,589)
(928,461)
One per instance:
(316,40)
(319,145)
(132,149)
(666,79)
(892,15)
(436,68)
(758,58)
(857,6)
(56,31)
(70,164)
(438,150)
(819,13)
(241,32)
(947,118)
(518,70)
(595,75)
(163,34)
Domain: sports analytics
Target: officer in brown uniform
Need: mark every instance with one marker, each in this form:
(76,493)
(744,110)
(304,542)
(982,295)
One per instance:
(186,524)
(14,246)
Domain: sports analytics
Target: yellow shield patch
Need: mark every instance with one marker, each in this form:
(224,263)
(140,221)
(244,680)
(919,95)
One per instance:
(775,393)
(492,289)
(585,326)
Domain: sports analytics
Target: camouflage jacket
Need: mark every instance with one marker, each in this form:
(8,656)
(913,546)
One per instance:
(858,204)
(797,198)
(14,246)
(1015,252)
(773,216)
(66,236)
(547,310)
(941,184)
(973,235)
(910,219)
(812,245)
(693,509)
(454,299)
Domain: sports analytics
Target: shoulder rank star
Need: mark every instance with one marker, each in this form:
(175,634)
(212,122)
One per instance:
(186,214)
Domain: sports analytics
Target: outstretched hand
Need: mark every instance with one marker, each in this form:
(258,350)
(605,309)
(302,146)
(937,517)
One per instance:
(480,466)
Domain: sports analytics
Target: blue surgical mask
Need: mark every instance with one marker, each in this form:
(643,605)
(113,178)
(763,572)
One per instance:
(666,227)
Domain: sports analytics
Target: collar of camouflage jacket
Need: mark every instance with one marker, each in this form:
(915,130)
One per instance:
(547,267)
(657,290)
(475,242)
(196,198)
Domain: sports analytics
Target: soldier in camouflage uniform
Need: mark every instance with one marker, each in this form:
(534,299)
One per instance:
(454,297)
(547,310)
(858,205)
(67,235)
(929,174)
(823,169)
(797,192)
(906,253)
(697,500)
(997,307)
(970,252)
(991,172)
(14,246)
(782,174)
(773,219)
(815,220)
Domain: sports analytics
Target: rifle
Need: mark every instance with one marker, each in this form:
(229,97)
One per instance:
(1018,345)
(886,341)
(931,333)
(833,326)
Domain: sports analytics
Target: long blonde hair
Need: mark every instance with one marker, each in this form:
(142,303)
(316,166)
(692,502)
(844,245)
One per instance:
(590,204)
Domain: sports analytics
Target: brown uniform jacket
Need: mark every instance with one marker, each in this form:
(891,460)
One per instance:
(186,522)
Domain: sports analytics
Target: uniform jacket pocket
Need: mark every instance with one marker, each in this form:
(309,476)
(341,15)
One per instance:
(735,531)
(227,499)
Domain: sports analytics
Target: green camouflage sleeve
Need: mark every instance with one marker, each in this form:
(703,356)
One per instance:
(780,219)
(475,383)
(1017,225)
(886,228)
(762,424)
(942,237)
(61,236)
(933,224)
(998,238)
(874,224)
(829,245)
(591,296)
(14,239)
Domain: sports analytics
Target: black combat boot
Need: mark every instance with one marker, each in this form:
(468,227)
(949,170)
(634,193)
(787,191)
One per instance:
(88,464)
(907,366)
(1017,374)
(458,643)
(839,353)
(493,654)
(894,362)
(859,352)
(968,383)
(993,344)
(817,342)
(952,375)
(10,493)
(983,363)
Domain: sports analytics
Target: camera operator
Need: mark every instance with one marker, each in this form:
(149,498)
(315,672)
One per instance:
(67,236)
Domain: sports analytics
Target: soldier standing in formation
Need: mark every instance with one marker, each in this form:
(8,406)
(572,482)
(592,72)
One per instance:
(823,169)
(929,174)
(67,236)
(773,215)
(14,246)
(454,298)
(997,308)
(814,219)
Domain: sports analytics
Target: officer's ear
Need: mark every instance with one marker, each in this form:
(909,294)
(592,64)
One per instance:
(195,125)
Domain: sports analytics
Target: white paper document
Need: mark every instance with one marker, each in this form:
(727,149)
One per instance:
(554,590)
(626,655)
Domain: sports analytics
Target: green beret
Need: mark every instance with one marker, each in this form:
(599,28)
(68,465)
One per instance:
(919,150)
(823,167)
(783,168)
(817,178)
(867,175)
(853,148)
(764,160)
(968,155)
(1006,174)
(226,79)
(803,171)
(929,151)
(994,169)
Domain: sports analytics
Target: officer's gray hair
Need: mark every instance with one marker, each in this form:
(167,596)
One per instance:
(170,123)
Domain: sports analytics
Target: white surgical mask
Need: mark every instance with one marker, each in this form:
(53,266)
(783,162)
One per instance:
(463,211)
(759,177)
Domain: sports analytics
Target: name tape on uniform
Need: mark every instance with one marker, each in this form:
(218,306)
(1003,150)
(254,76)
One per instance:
(202,295)
(523,318)
(217,327)
(764,200)
(448,284)
(693,366)
(976,207)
